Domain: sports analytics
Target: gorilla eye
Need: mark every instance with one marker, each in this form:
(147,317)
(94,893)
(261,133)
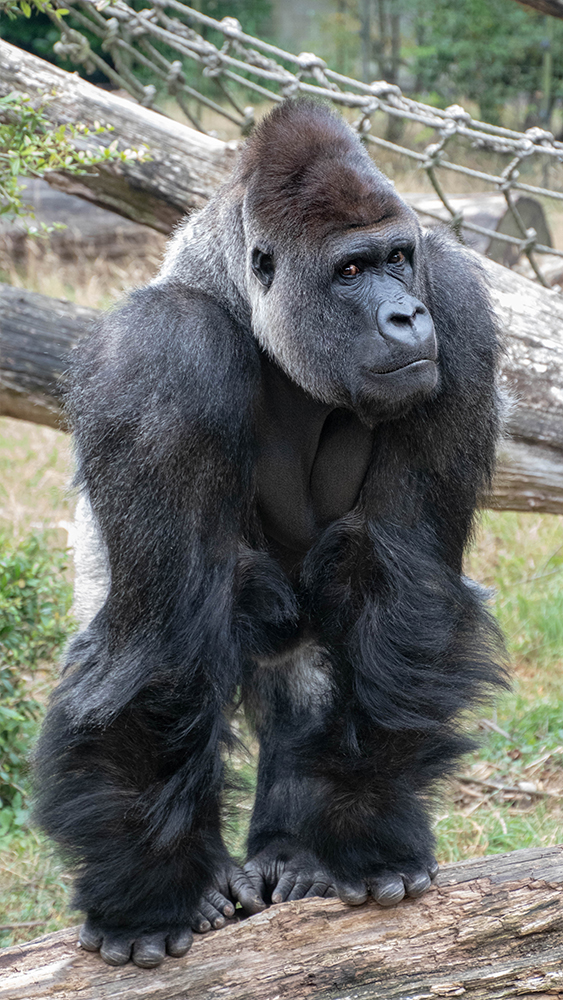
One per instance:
(396,257)
(263,266)
(350,271)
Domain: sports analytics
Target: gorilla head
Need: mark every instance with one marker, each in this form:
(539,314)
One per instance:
(332,266)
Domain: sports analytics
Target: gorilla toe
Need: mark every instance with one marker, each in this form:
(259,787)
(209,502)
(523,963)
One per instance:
(146,950)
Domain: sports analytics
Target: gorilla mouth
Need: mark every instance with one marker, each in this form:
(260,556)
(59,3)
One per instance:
(422,365)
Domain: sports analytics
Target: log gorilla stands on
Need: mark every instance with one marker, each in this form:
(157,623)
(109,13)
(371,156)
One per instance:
(489,929)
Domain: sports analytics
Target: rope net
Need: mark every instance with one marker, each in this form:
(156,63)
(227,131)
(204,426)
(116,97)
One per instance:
(165,36)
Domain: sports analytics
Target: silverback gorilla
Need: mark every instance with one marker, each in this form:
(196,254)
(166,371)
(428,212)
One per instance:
(283,439)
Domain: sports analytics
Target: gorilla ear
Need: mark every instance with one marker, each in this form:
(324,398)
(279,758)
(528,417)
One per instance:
(263,266)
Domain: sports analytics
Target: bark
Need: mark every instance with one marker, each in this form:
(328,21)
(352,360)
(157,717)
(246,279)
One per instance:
(530,460)
(37,334)
(489,929)
(185,166)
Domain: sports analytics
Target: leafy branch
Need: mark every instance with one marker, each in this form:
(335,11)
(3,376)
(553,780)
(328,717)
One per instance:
(31,147)
(15,8)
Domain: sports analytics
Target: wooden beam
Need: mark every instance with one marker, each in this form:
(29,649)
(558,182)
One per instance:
(185,166)
(489,929)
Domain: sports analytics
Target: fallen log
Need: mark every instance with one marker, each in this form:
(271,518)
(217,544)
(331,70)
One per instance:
(185,166)
(37,334)
(489,929)
(88,231)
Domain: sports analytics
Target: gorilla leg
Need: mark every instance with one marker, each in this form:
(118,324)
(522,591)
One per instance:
(135,805)
(288,696)
(337,807)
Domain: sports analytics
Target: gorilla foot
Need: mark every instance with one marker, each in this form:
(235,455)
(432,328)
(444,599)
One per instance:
(389,887)
(283,871)
(117,946)
(230,886)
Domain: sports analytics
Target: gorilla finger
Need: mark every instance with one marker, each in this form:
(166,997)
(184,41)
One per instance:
(248,887)
(116,949)
(179,942)
(388,889)
(200,924)
(90,937)
(353,893)
(149,950)
(331,892)
(221,903)
(211,913)
(284,887)
(433,868)
(256,877)
(299,890)
(319,888)
(416,884)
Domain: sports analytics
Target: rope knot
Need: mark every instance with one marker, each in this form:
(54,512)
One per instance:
(231,27)
(380,88)
(175,77)
(457,113)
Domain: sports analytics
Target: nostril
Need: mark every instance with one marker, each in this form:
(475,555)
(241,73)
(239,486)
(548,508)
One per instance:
(406,322)
(401,317)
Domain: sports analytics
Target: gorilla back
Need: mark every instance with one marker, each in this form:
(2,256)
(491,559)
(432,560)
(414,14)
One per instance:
(281,443)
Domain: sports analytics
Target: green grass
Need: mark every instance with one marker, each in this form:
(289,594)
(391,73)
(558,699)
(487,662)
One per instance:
(34,888)
(519,555)
(526,760)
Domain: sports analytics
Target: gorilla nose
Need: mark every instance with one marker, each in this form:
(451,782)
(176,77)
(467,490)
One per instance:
(407,322)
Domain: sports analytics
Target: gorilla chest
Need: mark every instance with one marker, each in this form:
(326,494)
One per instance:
(312,461)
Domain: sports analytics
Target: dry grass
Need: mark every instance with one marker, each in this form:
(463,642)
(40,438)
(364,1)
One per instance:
(97,282)
(36,469)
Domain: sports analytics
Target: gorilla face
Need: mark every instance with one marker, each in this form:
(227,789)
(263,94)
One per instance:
(333,281)
(343,322)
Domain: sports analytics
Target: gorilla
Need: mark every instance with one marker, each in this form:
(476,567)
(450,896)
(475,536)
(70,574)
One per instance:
(281,444)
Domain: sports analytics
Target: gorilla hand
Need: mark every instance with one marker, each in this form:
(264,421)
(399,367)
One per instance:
(230,886)
(284,871)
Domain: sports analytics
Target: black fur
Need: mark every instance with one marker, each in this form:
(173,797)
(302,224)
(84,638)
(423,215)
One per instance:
(284,440)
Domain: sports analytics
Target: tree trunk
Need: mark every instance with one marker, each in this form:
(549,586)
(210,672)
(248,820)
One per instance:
(489,929)
(530,460)
(185,166)
(37,334)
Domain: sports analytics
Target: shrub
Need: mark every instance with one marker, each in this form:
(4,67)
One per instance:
(35,597)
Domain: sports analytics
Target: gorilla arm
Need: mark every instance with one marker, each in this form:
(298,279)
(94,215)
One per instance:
(129,765)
